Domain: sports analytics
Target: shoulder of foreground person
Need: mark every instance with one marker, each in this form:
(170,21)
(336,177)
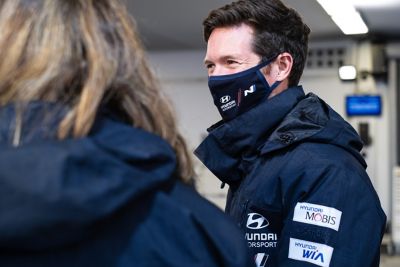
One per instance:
(213,238)
(176,227)
(180,228)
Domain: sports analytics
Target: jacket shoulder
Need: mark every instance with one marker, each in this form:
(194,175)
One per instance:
(218,229)
(316,157)
(330,172)
(186,229)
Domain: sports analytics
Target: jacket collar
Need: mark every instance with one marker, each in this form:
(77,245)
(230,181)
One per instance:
(287,119)
(230,144)
(306,119)
(315,121)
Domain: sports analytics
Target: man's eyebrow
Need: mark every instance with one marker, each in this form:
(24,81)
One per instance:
(223,58)
(207,61)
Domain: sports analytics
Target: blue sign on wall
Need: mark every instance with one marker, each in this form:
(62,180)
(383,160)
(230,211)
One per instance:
(363,105)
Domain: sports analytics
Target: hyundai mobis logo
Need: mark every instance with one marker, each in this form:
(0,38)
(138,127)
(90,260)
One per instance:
(256,221)
(317,215)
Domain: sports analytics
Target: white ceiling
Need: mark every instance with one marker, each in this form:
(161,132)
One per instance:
(177,24)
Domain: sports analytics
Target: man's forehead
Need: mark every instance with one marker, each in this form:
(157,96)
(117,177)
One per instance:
(233,42)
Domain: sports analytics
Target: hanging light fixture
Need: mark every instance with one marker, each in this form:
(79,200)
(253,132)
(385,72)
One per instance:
(346,17)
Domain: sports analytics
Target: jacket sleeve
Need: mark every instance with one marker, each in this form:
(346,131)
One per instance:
(332,214)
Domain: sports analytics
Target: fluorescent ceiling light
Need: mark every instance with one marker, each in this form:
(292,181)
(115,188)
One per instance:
(347,73)
(374,3)
(346,17)
(350,23)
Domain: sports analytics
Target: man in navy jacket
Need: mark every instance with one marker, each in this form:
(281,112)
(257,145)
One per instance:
(297,182)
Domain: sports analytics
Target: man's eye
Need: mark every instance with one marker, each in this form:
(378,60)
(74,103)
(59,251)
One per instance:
(209,66)
(230,62)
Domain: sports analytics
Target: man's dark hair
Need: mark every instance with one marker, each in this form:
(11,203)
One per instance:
(277,29)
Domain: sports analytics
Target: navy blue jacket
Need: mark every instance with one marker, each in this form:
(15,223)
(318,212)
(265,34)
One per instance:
(298,185)
(110,199)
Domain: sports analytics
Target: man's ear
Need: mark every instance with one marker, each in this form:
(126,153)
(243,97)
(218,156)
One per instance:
(280,68)
(284,63)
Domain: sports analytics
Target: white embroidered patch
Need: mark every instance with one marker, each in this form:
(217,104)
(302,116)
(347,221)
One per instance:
(318,254)
(317,215)
(261,259)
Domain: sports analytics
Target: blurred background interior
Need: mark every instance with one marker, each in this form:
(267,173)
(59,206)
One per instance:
(366,93)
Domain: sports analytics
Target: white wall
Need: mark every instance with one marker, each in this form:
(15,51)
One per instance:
(393,52)
(184,78)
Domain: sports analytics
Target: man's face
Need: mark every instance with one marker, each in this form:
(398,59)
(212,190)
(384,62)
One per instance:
(229,50)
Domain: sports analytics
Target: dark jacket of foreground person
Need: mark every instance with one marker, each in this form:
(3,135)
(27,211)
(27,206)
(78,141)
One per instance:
(109,199)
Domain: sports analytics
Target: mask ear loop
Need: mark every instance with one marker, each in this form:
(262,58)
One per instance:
(265,61)
(268,61)
(274,85)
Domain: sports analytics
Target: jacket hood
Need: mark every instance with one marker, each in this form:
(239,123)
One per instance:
(312,120)
(278,123)
(52,192)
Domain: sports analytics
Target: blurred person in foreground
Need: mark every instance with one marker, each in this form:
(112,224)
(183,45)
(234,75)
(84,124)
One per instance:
(92,168)
(297,181)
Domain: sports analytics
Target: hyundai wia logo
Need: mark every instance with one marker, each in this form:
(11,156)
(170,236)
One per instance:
(225,99)
(256,221)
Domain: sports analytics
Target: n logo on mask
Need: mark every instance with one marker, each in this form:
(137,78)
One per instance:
(252,89)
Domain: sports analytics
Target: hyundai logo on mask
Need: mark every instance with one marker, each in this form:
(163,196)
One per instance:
(225,99)
(256,221)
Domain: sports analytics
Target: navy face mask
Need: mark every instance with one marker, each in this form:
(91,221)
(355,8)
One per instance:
(236,93)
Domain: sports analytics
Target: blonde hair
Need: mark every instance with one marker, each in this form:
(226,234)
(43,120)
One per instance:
(83,53)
